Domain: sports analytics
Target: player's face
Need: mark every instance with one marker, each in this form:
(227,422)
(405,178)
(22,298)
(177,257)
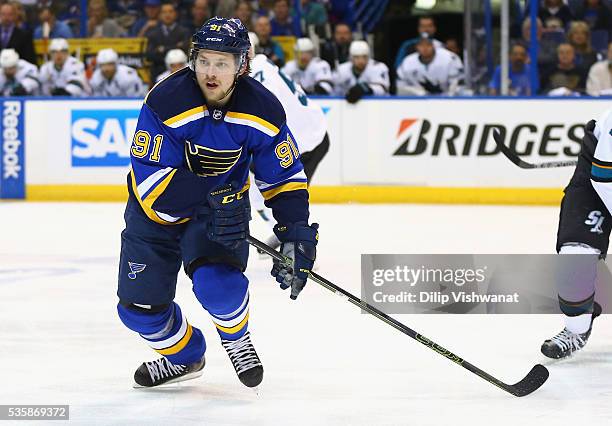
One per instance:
(425,49)
(176,67)
(304,59)
(59,57)
(215,73)
(427,26)
(108,70)
(360,62)
(10,72)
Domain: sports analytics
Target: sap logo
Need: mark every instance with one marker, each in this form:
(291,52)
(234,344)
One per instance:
(595,219)
(102,138)
(11,142)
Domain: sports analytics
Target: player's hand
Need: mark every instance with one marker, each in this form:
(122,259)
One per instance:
(59,91)
(589,142)
(299,244)
(357,92)
(229,215)
(431,88)
(19,90)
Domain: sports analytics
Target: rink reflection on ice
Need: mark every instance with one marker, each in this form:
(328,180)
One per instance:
(325,363)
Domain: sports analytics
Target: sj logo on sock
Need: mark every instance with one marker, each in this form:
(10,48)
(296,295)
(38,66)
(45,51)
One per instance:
(135,268)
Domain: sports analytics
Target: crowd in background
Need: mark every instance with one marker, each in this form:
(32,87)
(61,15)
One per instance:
(331,56)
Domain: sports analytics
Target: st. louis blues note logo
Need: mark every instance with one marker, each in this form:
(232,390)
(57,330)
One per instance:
(135,268)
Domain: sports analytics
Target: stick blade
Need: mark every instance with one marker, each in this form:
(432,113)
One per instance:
(531,382)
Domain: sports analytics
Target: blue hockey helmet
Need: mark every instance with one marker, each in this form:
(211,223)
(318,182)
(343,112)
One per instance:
(221,35)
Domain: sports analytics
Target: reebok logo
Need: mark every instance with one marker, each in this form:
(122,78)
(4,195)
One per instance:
(11,140)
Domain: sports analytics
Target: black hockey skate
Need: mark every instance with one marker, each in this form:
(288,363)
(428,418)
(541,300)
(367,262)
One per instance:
(245,360)
(565,343)
(161,372)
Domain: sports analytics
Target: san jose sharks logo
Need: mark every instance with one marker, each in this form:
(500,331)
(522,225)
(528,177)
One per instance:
(135,268)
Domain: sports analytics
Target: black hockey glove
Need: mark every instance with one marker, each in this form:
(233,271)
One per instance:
(319,89)
(60,91)
(229,215)
(298,243)
(589,142)
(431,88)
(357,92)
(19,90)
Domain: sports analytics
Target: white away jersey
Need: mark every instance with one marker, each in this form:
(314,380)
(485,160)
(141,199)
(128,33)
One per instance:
(305,118)
(375,75)
(445,70)
(601,169)
(26,76)
(317,71)
(70,77)
(125,82)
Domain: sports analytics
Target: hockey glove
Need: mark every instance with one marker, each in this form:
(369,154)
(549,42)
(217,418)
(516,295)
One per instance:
(320,89)
(229,215)
(59,91)
(357,92)
(589,142)
(431,88)
(19,90)
(299,244)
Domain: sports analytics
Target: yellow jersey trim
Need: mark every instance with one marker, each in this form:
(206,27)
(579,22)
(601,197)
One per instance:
(147,204)
(290,186)
(178,346)
(254,119)
(234,329)
(186,114)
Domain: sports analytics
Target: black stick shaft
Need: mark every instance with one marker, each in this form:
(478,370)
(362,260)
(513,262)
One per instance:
(389,320)
(512,156)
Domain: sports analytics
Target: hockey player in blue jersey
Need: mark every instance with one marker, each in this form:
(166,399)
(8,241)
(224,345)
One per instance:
(198,132)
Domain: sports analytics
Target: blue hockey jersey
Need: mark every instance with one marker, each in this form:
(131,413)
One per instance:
(183,148)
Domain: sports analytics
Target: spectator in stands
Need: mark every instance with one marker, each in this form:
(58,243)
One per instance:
(20,16)
(175,60)
(244,12)
(99,24)
(313,13)
(547,50)
(167,35)
(148,21)
(596,14)
(12,37)
(264,8)
(200,13)
(18,77)
(308,70)
(50,27)
(112,79)
(426,24)
(519,74)
(555,9)
(267,46)
(283,24)
(63,75)
(565,77)
(599,81)
(223,8)
(429,70)
(579,36)
(336,51)
(362,75)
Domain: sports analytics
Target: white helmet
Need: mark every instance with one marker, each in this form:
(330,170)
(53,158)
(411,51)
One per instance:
(359,48)
(304,45)
(58,44)
(107,56)
(254,40)
(9,58)
(175,56)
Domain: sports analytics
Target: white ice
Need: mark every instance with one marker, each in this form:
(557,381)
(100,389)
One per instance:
(325,362)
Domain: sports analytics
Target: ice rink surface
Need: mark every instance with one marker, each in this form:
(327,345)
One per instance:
(325,362)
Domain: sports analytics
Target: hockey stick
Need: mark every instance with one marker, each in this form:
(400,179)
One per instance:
(512,156)
(531,382)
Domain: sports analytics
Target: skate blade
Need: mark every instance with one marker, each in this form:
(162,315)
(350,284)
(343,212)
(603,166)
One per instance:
(189,376)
